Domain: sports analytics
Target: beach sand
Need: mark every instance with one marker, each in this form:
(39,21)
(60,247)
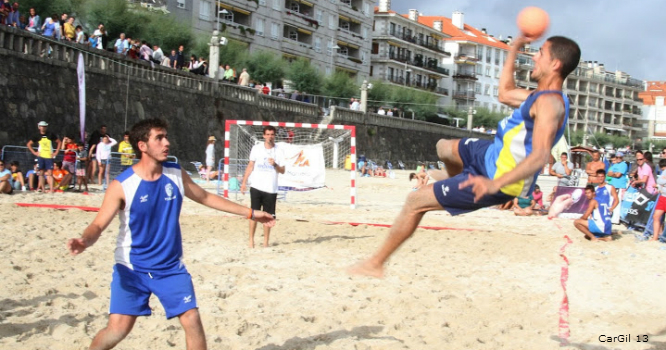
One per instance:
(490,280)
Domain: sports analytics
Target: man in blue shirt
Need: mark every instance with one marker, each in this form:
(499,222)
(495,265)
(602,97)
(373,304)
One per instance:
(617,172)
(148,197)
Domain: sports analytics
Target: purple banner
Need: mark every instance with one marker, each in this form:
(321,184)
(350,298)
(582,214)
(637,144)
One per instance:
(81,75)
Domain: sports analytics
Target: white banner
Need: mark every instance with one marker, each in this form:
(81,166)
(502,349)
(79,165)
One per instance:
(304,166)
(81,75)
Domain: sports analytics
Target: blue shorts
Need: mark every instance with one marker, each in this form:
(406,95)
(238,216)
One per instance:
(130,291)
(44,163)
(460,201)
(596,231)
(104,161)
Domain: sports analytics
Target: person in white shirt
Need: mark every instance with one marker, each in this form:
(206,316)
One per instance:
(103,154)
(381,111)
(354,106)
(210,157)
(262,172)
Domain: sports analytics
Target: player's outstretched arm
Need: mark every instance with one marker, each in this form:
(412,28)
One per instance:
(201,196)
(509,93)
(113,201)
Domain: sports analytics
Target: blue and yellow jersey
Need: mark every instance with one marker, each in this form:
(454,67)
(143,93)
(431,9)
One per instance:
(513,143)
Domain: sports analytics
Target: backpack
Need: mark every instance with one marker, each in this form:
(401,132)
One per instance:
(233,184)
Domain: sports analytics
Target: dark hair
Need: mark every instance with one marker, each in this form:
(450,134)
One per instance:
(412,176)
(141,132)
(269,127)
(537,187)
(126,133)
(662,163)
(564,154)
(102,126)
(648,157)
(601,172)
(58,163)
(16,163)
(79,27)
(566,51)
(589,187)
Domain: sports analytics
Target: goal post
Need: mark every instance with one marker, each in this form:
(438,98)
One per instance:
(308,149)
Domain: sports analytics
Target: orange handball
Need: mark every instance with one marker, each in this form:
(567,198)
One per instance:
(533,22)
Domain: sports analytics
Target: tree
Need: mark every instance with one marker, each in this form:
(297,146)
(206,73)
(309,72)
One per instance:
(380,94)
(340,86)
(304,77)
(46,8)
(265,67)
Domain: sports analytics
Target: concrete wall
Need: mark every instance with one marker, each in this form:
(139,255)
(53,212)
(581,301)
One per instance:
(36,85)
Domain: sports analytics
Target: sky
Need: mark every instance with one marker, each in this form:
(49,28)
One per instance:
(623,35)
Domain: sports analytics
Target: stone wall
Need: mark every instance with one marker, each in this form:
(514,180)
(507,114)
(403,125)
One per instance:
(38,82)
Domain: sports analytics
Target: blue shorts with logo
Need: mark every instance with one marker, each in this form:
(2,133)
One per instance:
(45,163)
(130,291)
(460,201)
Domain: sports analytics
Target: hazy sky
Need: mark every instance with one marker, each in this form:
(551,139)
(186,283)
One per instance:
(625,35)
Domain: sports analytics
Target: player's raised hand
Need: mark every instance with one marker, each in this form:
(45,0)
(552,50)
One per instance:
(481,186)
(264,217)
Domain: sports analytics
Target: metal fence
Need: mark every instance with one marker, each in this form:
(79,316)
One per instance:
(27,160)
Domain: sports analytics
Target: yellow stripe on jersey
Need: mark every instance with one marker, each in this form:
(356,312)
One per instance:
(506,161)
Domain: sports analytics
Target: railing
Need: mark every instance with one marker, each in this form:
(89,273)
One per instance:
(341,115)
(465,57)
(467,76)
(416,40)
(467,95)
(23,43)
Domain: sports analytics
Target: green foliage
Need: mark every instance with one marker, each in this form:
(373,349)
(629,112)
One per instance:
(265,67)
(484,117)
(340,86)
(380,92)
(304,77)
(45,8)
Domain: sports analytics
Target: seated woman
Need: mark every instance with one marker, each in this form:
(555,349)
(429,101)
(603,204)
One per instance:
(538,197)
(523,206)
(379,171)
(18,181)
(212,175)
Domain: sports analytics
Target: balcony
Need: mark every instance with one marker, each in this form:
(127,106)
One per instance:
(428,44)
(300,18)
(296,47)
(463,95)
(466,59)
(465,76)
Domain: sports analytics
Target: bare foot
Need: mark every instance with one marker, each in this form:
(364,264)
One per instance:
(251,245)
(606,239)
(365,268)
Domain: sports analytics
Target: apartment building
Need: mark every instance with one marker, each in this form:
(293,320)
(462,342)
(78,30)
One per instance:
(332,34)
(600,101)
(408,52)
(654,110)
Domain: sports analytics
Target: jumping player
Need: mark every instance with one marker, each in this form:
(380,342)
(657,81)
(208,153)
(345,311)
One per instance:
(149,252)
(485,173)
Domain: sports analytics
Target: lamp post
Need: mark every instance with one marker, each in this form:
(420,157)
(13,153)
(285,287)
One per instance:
(334,50)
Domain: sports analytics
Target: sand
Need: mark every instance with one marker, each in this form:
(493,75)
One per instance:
(490,281)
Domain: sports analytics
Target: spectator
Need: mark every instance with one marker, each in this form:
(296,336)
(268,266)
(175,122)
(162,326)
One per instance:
(538,197)
(126,152)
(596,222)
(523,206)
(69,159)
(389,112)
(69,30)
(103,153)
(660,208)
(45,154)
(354,105)
(18,181)
(122,45)
(13,16)
(210,157)
(180,58)
(592,167)
(81,164)
(381,111)
(266,90)
(133,51)
(80,36)
(5,179)
(158,55)
(5,10)
(201,68)
(296,96)
(562,170)
(173,59)
(617,171)
(34,22)
(92,157)
(61,177)
(103,39)
(145,52)
(229,74)
(193,63)
(93,39)
(644,175)
(31,176)
(244,79)
(49,27)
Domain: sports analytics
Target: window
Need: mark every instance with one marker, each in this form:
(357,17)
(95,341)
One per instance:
(487,71)
(260,27)
(317,44)
(329,47)
(495,90)
(497,73)
(392,29)
(332,22)
(479,53)
(275,29)
(364,32)
(479,69)
(477,88)
(363,56)
(276,4)
(204,10)
(489,52)
(319,14)
(344,51)
(181,4)
(366,9)
(497,56)
(293,34)
(294,6)
(486,90)
(228,17)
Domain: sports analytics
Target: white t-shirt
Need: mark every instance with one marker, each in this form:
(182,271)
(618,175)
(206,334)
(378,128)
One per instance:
(210,155)
(264,176)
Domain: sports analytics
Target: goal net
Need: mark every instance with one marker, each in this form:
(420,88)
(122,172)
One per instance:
(307,149)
